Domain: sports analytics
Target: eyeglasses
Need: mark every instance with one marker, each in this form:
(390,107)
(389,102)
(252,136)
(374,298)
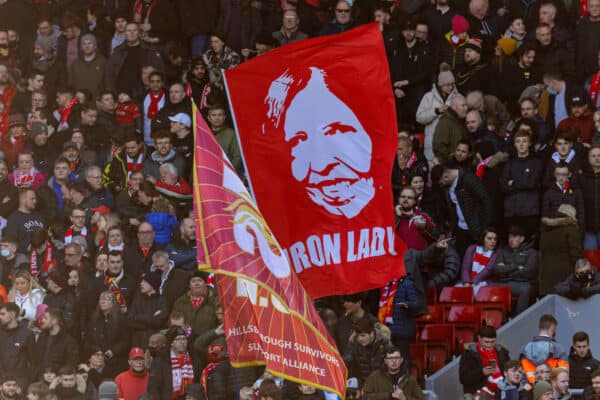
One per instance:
(342,10)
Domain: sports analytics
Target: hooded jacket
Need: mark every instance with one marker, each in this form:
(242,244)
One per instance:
(580,369)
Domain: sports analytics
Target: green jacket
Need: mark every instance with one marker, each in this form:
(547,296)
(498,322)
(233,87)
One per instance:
(228,141)
(202,319)
(378,386)
(448,132)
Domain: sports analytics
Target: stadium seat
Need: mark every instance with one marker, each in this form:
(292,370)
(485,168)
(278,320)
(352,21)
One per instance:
(495,303)
(431,295)
(467,322)
(456,295)
(435,316)
(418,361)
(439,336)
(436,358)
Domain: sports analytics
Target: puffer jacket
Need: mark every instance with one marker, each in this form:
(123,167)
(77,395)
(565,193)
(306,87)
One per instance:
(163,224)
(519,265)
(470,370)
(403,319)
(362,360)
(428,115)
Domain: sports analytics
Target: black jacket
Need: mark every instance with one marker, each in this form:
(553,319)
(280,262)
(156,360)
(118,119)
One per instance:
(160,384)
(554,197)
(135,261)
(175,286)
(197,17)
(17,353)
(474,202)
(474,77)
(65,300)
(106,333)
(514,80)
(522,197)
(117,60)
(574,289)
(555,58)
(61,350)
(401,176)
(7,190)
(580,369)
(445,271)
(519,265)
(127,286)
(470,370)
(588,42)
(145,317)
(589,182)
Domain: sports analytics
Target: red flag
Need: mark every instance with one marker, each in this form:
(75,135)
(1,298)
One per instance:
(317,126)
(269,318)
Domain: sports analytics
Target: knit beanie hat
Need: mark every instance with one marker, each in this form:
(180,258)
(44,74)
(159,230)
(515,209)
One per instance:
(445,77)
(507,45)
(474,44)
(459,24)
(154,278)
(541,388)
(173,332)
(37,128)
(108,391)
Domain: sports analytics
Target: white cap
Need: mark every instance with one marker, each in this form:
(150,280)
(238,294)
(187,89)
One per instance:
(182,118)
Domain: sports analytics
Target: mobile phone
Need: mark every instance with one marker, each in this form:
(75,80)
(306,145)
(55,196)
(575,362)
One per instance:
(492,363)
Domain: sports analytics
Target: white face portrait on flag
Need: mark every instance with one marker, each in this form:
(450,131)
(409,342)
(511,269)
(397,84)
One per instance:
(330,148)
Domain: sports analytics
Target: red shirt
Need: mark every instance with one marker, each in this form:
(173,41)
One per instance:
(131,385)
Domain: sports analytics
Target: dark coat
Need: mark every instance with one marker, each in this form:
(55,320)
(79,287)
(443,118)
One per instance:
(470,370)
(403,320)
(448,132)
(474,77)
(117,59)
(554,197)
(574,289)
(520,265)
(439,24)
(401,176)
(160,384)
(106,333)
(175,286)
(514,80)
(7,190)
(135,261)
(344,330)
(363,360)
(197,17)
(580,369)
(589,182)
(475,203)
(555,58)
(522,197)
(332,27)
(379,386)
(66,301)
(63,351)
(127,286)
(444,271)
(201,319)
(145,317)
(17,355)
(588,43)
(561,247)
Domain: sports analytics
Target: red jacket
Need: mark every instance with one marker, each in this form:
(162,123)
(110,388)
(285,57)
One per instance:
(585,125)
(131,385)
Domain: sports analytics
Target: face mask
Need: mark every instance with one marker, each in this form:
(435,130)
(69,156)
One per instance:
(4,253)
(584,277)
(551,92)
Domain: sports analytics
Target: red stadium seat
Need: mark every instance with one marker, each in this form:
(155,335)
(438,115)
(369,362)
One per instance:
(418,361)
(431,295)
(454,294)
(492,316)
(436,358)
(439,336)
(593,257)
(467,322)
(495,294)
(435,316)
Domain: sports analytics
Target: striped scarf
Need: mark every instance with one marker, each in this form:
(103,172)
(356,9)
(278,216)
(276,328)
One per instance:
(134,165)
(24,179)
(49,263)
(69,234)
(182,373)
(112,282)
(481,259)
(386,302)
(491,385)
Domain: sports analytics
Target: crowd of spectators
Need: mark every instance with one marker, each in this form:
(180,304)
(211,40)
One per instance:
(496,181)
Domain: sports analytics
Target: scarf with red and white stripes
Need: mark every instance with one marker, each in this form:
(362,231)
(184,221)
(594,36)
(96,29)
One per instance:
(48,261)
(491,385)
(69,234)
(134,165)
(182,373)
(26,179)
(481,259)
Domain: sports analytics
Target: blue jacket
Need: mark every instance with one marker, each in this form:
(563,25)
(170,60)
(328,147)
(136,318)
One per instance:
(163,224)
(403,319)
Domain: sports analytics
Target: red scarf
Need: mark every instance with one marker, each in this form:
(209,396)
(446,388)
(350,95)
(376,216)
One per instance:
(69,234)
(48,261)
(196,302)
(203,97)
(138,10)
(480,170)
(66,112)
(564,188)
(134,166)
(491,386)
(583,7)
(595,87)
(182,373)
(481,259)
(112,282)
(22,179)
(7,96)
(154,102)
(386,302)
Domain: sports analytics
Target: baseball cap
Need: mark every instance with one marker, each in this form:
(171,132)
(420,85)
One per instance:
(182,118)
(136,352)
(352,383)
(577,101)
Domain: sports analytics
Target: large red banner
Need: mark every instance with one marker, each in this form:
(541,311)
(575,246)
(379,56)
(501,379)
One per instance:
(269,318)
(317,127)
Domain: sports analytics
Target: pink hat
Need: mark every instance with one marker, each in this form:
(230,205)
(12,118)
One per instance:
(459,24)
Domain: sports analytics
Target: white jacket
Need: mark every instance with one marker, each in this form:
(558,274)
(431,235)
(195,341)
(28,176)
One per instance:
(28,303)
(427,116)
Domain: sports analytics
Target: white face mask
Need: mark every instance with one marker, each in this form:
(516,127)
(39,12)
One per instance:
(4,252)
